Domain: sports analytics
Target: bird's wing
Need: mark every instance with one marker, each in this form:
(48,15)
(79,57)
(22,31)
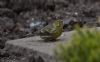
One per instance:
(46,28)
(53,30)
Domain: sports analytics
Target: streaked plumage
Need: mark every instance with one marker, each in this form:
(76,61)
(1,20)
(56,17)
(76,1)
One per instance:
(52,31)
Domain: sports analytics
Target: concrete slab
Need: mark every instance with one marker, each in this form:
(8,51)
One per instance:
(38,46)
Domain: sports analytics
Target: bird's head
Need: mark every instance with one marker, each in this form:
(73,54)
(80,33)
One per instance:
(58,23)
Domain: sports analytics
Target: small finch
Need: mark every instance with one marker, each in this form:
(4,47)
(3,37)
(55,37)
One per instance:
(52,31)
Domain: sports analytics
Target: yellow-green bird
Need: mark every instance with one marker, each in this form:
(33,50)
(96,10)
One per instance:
(52,31)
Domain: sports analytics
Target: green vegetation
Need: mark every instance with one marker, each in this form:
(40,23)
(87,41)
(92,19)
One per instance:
(83,47)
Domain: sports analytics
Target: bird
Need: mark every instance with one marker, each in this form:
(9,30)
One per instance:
(52,31)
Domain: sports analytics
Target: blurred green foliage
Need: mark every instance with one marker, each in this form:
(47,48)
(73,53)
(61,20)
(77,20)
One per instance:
(83,47)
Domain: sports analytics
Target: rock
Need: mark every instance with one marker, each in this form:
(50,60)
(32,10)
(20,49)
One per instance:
(69,23)
(3,3)
(61,2)
(36,24)
(5,12)
(2,42)
(6,26)
(27,14)
(20,5)
(6,23)
(36,50)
